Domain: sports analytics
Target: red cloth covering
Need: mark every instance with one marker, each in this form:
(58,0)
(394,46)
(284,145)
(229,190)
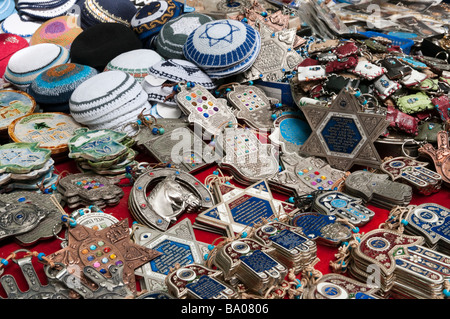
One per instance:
(324,253)
(9,44)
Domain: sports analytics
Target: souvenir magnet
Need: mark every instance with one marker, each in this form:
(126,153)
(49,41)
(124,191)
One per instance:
(414,173)
(377,189)
(395,69)
(440,155)
(239,208)
(174,192)
(252,106)
(195,281)
(203,109)
(311,73)
(22,158)
(344,133)
(51,130)
(276,57)
(36,289)
(193,153)
(102,249)
(337,286)
(304,175)
(323,229)
(290,132)
(343,206)
(292,248)
(249,262)
(14,104)
(245,156)
(367,70)
(385,87)
(177,246)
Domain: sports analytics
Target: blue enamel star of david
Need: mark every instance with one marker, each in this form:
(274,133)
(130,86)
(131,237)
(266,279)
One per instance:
(344,133)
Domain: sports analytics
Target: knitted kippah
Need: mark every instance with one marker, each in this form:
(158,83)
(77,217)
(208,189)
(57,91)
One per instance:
(60,30)
(148,21)
(26,64)
(56,85)
(108,99)
(9,44)
(106,11)
(136,62)
(15,25)
(44,9)
(7,7)
(178,70)
(101,43)
(174,33)
(223,48)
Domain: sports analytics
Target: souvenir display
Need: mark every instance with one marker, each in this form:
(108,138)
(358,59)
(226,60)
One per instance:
(177,246)
(159,196)
(224,150)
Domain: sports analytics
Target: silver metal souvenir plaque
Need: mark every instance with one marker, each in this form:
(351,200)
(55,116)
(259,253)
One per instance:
(276,57)
(252,106)
(304,175)
(292,248)
(178,145)
(159,196)
(49,225)
(36,289)
(203,109)
(19,218)
(343,133)
(111,287)
(177,245)
(84,189)
(195,281)
(239,208)
(337,286)
(250,262)
(343,206)
(323,229)
(414,173)
(245,156)
(377,189)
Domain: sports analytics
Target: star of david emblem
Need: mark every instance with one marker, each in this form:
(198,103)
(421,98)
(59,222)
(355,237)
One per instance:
(214,36)
(101,249)
(240,208)
(343,133)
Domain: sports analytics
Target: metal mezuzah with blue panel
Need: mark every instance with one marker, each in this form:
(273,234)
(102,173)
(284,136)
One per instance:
(247,159)
(344,133)
(323,229)
(196,281)
(203,109)
(343,206)
(431,221)
(177,245)
(414,173)
(250,263)
(292,248)
(238,209)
